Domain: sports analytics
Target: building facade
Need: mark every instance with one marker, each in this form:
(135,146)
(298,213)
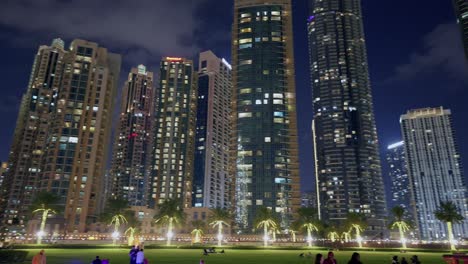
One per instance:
(461,12)
(133,142)
(434,169)
(79,133)
(264,136)
(347,162)
(400,193)
(174,132)
(212,181)
(32,128)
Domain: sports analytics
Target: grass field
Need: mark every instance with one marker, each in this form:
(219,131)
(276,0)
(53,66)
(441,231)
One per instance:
(232,256)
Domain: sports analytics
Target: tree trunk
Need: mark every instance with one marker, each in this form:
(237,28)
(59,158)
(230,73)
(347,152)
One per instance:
(309,237)
(450,236)
(265,237)
(41,233)
(402,237)
(220,234)
(169,233)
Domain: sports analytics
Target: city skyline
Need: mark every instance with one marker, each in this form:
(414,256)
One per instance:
(68,113)
(407,38)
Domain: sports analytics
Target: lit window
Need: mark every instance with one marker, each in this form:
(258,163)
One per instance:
(246,40)
(245,91)
(243,115)
(245,46)
(246,30)
(277,101)
(245,62)
(246,15)
(278,95)
(274,13)
(278,114)
(267,139)
(258,102)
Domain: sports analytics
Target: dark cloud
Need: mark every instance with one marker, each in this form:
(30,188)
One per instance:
(442,53)
(154,27)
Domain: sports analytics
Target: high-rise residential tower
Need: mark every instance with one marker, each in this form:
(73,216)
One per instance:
(347,162)
(396,165)
(79,133)
(174,132)
(434,169)
(212,182)
(32,128)
(265,144)
(133,141)
(461,11)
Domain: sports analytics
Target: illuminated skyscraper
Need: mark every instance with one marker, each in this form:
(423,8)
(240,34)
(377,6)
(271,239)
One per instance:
(461,11)
(79,135)
(264,101)
(347,162)
(434,169)
(397,172)
(32,128)
(174,132)
(133,142)
(63,130)
(212,181)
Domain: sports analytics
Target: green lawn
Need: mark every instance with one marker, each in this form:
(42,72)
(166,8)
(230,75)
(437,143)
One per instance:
(232,256)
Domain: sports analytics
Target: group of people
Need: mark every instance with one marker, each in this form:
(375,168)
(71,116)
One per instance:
(319,259)
(414,260)
(137,256)
(98,260)
(356,259)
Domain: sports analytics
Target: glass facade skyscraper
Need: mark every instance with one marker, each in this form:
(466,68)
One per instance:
(434,169)
(133,141)
(265,131)
(174,133)
(461,11)
(212,182)
(347,162)
(400,193)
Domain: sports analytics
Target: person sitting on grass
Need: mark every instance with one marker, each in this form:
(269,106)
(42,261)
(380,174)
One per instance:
(355,259)
(330,259)
(97,260)
(40,258)
(415,260)
(395,260)
(202,261)
(318,259)
(404,261)
(140,257)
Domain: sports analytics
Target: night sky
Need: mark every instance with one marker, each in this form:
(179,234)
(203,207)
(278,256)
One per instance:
(414,47)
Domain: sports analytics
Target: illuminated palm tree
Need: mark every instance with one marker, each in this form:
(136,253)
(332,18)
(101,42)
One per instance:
(357,223)
(220,217)
(197,231)
(308,220)
(133,225)
(399,222)
(293,229)
(346,235)
(45,203)
(115,214)
(333,236)
(448,212)
(170,214)
(265,219)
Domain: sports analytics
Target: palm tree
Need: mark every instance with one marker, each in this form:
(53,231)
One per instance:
(357,223)
(448,212)
(170,214)
(399,222)
(220,217)
(345,234)
(133,225)
(333,235)
(115,213)
(265,219)
(293,229)
(197,231)
(309,221)
(45,203)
